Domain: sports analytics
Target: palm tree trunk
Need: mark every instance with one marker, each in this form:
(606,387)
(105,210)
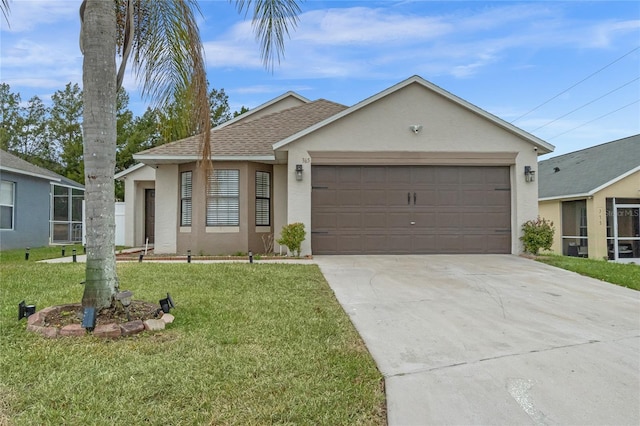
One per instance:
(98,40)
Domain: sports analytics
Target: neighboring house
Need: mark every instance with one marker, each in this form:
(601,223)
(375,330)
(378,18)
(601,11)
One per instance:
(37,207)
(413,169)
(593,198)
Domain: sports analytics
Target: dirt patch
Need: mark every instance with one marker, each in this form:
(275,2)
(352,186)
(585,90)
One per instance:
(72,314)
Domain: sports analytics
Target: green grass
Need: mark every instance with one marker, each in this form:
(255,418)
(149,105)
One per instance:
(251,344)
(626,275)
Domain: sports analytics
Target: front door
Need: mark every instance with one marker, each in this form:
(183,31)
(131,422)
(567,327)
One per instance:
(627,246)
(149,215)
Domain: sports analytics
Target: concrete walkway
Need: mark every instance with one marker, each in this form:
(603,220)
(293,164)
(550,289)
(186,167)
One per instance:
(493,339)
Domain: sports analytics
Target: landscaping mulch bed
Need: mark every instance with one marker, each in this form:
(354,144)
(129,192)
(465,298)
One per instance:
(72,314)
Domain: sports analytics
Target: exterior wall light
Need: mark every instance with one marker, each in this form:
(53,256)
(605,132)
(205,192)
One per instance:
(529,175)
(298,172)
(415,128)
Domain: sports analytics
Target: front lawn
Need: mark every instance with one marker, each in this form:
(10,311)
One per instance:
(623,274)
(251,344)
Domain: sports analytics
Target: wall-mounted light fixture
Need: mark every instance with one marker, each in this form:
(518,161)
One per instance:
(529,175)
(298,171)
(415,128)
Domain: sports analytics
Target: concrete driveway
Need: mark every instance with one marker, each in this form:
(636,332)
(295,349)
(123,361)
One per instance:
(493,339)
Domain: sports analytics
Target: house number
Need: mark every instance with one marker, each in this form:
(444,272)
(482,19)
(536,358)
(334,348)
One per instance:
(306,159)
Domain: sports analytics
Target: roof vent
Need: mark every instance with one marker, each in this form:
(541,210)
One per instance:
(556,169)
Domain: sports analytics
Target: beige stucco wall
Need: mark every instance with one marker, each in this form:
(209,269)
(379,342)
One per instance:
(201,239)
(629,187)
(135,184)
(552,210)
(167,208)
(384,126)
(280,191)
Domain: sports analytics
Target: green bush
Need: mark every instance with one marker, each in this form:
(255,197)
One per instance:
(537,234)
(292,236)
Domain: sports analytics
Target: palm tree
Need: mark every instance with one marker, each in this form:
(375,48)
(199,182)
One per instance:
(163,41)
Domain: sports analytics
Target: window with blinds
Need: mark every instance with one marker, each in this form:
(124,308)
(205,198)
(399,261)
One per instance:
(223,198)
(185,198)
(263,199)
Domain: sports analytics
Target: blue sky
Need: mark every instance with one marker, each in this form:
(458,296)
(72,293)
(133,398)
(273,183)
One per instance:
(513,59)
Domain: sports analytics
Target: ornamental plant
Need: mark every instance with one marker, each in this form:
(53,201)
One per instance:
(537,234)
(292,236)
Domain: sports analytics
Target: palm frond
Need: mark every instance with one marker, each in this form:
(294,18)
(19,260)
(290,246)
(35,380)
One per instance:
(4,5)
(272,20)
(168,58)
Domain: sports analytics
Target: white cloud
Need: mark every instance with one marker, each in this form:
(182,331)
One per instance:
(25,15)
(605,34)
(343,42)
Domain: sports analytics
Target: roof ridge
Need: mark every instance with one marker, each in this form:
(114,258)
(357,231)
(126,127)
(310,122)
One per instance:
(558,157)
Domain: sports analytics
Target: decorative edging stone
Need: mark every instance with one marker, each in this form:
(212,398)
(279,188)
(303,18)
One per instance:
(36,324)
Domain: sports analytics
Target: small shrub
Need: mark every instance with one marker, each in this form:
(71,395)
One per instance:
(537,234)
(292,236)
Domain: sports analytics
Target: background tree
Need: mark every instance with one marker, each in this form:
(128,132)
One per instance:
(9,117)
(34,142)
(65,129)
(243,109)
(134,136)
(219,106)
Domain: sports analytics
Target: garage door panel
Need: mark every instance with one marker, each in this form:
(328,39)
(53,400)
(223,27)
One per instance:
(373,197)
(448,197)
(425,219)
(447,175)
(349,175)
(370,209)
(398,220)
(324,176)
(474,197)
(349,221)
(497,175)
(374,220)
(324,221)
(323,197)
(398,244)
(374,175)
(349,197)
(397,176)
(324,243)
(423,175)
(350,244)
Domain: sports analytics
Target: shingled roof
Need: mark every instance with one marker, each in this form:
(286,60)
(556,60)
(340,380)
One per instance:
(252,138)
(583,172)
(14,164)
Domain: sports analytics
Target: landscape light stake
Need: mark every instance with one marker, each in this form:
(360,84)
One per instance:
(64,249)
(140,258)
(250,256)
(188,256)
(75,259)
(89,318)
(26,254)
(84,249)
(24,310)
(166,304)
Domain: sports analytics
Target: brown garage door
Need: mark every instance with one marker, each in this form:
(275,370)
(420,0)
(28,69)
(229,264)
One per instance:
(410,209)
